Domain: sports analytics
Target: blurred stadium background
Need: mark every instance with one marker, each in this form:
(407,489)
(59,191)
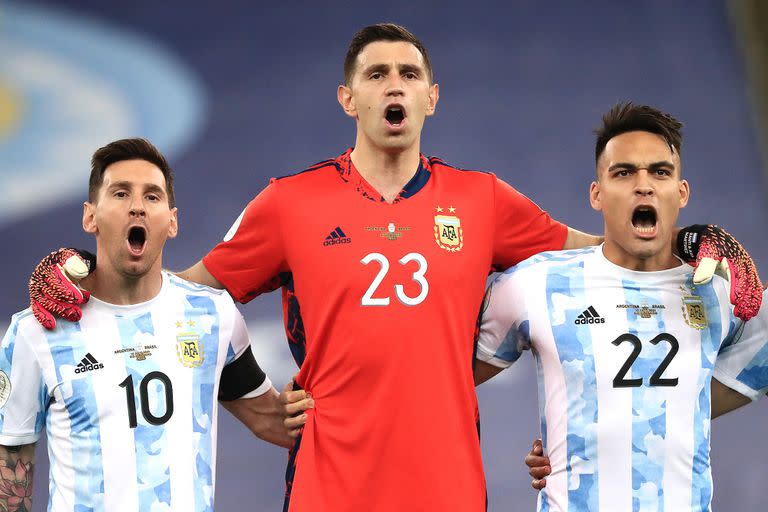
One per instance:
(240,91)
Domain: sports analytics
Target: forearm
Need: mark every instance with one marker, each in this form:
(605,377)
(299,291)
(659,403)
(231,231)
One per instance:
(484,371)
(197,273)
(577,239)
(725,399)
(16,469)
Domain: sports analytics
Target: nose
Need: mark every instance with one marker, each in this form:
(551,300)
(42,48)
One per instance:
(137,208)
(395,85)
(643,183)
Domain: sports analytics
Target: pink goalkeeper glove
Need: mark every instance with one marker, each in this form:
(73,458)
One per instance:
(52,292)
(712,250)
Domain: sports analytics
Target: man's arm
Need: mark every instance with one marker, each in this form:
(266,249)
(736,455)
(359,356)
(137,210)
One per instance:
(16,467)
(274,418)
(577,239)
(199,274)
(484,371)
(725,399)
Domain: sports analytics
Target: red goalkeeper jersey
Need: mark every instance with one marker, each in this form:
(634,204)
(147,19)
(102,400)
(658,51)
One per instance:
(380,304)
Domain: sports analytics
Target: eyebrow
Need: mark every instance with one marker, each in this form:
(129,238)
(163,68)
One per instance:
(127,184)
(384,68)
(654,165)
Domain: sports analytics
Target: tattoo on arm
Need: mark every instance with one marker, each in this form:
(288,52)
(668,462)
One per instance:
(16,468)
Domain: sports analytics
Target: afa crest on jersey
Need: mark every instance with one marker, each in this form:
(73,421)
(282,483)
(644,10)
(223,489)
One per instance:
(448,232)
(189,348)
(694,313)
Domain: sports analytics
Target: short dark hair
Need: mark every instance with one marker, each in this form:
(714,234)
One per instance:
(128,149)
(628,117)
(381,32)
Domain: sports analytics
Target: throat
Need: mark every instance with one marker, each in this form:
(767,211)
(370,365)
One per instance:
(387,176)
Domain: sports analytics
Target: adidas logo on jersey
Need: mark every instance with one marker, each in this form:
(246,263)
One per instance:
(589,316)
(337,236)
(89,363)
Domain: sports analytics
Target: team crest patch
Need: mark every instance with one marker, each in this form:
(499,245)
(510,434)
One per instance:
(189,348)
(448,232)
(5,388)
(694,313)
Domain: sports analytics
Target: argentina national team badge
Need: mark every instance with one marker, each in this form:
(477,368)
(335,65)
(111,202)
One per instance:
(694,313)
(189,348)
(448,232)
(5,388)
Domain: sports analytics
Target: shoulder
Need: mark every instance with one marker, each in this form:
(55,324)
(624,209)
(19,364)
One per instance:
(573,257)
(23,324)
(320,170)
(178,285)
(440,165)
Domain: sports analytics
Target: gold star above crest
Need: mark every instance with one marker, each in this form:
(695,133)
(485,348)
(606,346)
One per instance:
(452,209)
(178,324)
(438,209)
(191,323)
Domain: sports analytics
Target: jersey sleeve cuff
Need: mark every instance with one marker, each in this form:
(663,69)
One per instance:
(738,386)
(19,439)
(487,357)
(265,386)
(212,267)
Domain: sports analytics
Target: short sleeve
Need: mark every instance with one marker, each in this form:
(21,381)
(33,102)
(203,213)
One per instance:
(742,363)
(242,377)
(252,255)
(504,332)
(23,394)
(522,229)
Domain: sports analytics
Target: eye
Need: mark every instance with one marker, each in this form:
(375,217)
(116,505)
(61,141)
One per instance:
(376,75)
(410,75)
(622,173)
(153,197)
(121,194)
(663,172)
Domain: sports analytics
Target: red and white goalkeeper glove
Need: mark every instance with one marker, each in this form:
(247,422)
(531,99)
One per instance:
(52,292)
(712,250)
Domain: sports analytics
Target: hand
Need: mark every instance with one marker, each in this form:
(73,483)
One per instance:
(294,404)
(538,465)
(52,288)
(712,250)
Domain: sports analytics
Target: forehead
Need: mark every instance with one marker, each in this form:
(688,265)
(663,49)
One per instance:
(139,172)
(389,52)
(638,148)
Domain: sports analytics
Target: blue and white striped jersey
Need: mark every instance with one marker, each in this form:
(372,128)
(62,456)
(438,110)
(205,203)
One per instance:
(625,361)
(128,397)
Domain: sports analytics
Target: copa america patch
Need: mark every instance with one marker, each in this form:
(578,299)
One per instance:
(5,388)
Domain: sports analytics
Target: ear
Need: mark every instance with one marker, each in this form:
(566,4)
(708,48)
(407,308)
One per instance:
(89,218)
(173,227)
(594,196)
(685,192)
(347,102)
(434,95)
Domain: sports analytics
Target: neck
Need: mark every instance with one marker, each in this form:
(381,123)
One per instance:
(387,171)
(113,287)
(617,255)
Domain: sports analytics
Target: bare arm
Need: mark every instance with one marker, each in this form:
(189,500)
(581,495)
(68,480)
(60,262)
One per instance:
(484,371)
(577,239)
(199,274)
(724,399)
(16,468)
(275,418)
